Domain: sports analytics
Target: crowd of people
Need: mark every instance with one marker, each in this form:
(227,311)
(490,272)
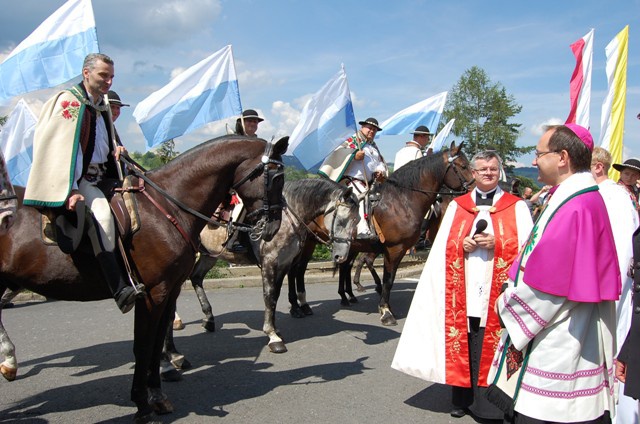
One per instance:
(525,302)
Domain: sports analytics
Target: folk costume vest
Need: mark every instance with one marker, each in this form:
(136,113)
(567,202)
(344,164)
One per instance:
(503,217)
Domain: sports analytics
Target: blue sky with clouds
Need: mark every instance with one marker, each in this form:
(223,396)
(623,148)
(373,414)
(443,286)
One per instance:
(395,53)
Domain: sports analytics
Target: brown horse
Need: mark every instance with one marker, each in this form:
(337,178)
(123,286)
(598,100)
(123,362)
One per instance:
(189,188)
(399,206)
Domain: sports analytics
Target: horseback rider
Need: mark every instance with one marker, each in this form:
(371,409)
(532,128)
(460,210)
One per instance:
(72,153)
(246,125)
(358,163)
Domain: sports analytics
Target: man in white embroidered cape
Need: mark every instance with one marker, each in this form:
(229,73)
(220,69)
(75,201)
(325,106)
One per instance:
(560,302)
(624,221)
(450,332)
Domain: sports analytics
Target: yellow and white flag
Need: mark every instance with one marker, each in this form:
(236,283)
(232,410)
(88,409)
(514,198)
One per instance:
(614,105)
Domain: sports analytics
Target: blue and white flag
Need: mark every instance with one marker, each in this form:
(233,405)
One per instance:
(53,53)
(206,92)
(426,112)
(16,141)
(326,120)
(438,141)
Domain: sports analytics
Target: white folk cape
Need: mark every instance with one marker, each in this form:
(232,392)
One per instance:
(421,349)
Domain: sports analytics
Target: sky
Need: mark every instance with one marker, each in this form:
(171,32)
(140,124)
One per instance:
(395,53)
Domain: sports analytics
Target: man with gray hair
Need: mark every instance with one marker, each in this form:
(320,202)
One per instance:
(73,152)
(450,333)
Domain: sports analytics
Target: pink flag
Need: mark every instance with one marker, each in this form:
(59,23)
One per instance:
(580,86)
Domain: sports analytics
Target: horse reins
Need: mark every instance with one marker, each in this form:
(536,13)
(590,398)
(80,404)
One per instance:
(450,165)
(330,236)
(264,164)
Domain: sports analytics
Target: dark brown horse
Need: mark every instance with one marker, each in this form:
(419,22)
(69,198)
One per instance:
(400,205)
(162,250)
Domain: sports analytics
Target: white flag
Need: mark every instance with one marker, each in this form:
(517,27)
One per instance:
(206,92)
(441,137)
(426,112)
(53,53)
(326,120)
(16,140)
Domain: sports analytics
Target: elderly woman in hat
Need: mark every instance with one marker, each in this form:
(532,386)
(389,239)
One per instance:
(358,163)
(629,176)
(248,123)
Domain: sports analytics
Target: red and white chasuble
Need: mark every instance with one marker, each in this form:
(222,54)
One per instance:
(434,345)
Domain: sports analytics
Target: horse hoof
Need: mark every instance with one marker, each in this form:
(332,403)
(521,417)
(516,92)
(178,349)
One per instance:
(178,325)
(277,347)
(147,418)
(171,376)
(296,312)
(162,407)
(209,325)
(9,373)
(360,288)
(388,319)
(353,299)
(186,365)
(306,309)
(345,302)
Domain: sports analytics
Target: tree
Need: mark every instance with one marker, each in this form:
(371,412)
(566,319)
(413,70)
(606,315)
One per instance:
(482,111)
(3,120)
(167,151)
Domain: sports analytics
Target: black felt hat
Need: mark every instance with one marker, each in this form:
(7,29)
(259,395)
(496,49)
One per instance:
(114,99)
(422,130)
(372,122)
(251,114)
(629,163)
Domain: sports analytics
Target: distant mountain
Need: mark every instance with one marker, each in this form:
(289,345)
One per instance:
(529,172)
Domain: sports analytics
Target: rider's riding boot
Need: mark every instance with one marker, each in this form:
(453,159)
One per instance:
(124,293)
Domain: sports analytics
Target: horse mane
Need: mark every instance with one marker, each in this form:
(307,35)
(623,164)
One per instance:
(185,159)
(410,175)
(311,194)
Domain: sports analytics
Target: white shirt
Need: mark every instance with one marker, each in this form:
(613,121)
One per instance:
(408,153)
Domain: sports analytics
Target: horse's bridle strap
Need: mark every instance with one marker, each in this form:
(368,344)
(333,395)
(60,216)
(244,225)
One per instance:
(171,218)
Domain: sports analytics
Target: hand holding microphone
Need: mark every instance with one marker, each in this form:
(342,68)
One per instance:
(478,238)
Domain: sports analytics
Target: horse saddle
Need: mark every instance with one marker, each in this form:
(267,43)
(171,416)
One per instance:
(65,228)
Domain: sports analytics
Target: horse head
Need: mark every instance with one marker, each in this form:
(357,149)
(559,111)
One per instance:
(458,175)
(265,199)
(341,219)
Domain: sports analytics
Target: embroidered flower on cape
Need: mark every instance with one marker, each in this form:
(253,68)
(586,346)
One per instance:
(70,110)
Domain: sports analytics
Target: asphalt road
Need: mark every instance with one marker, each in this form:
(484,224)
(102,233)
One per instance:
(76,363)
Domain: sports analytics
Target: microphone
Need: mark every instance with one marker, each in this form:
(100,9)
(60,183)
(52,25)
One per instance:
(481,225)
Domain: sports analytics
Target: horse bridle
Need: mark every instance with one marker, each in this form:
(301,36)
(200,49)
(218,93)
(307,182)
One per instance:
(270,207)
(451,165)
(266,209)
(330,236)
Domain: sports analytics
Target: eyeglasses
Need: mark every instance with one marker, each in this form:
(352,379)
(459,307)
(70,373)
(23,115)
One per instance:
(540,154)
(487,170)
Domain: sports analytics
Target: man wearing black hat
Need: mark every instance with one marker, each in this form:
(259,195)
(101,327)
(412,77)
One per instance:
(247,124)
(413,149)
(358,163)
(629,176)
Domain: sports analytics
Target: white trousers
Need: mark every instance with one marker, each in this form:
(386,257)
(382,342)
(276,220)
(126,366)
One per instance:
(97,203)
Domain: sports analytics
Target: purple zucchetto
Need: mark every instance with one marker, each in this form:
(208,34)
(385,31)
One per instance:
(583,134)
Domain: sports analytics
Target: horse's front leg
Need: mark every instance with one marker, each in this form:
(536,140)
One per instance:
(150,328)
(202,266)
(271,286)
(295,311)
(390,267)
(9,367)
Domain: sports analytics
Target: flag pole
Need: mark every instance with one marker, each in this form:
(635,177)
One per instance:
(235,71)
(113,137)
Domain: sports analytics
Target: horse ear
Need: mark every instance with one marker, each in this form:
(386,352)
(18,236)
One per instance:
(453,147)
(347,193)
(281,146)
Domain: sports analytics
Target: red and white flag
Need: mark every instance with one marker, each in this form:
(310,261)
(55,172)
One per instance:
(580,86)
